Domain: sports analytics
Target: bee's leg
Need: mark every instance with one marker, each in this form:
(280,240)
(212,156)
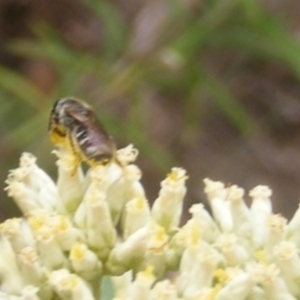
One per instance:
(77,159)
(57,134)
(77,162)
(116,160)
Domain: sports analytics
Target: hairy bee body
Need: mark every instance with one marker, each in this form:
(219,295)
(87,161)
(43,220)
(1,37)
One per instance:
(74,126)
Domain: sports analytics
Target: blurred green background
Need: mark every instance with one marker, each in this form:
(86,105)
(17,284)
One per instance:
(211,86)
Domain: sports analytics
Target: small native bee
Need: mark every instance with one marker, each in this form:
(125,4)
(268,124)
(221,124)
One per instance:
(74,126)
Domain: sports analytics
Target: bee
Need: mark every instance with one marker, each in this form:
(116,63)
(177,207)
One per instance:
(74,126)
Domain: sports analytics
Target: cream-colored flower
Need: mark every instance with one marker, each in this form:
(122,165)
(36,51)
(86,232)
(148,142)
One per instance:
(98,224)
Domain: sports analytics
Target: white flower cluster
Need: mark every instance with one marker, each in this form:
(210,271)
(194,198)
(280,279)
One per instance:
(85,227)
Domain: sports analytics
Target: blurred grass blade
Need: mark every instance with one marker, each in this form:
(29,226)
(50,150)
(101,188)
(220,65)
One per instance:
(20,87)
(198,29)
(114,29)
(235,113)
(29,130)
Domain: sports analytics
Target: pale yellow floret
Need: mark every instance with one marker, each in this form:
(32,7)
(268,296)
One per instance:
(127,155)
(11,227)
(69,283)
(98,176)
(235,193)
(27,160)
(62,224)
(261,257)
(177,174)
(29,255)
(214,188)
(226,242)
(269,274)
(261,191)
(78,251)
(147,274)
(38,219)
(220,275)
(277,223)
(45,234)
(160,234)
(66,160)
(159,240)
(132,173)
(194,234)
(285,250)
(140,203)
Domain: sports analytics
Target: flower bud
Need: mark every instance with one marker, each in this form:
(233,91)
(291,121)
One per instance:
(261,209)
(18,232)
(167,208)
(70,286)
(137,215)
(11,278)
(85,262)
(69,183)
(216,194)
(240,213)
(140,288)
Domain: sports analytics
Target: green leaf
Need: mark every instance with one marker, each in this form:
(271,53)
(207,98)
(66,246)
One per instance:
(107,289)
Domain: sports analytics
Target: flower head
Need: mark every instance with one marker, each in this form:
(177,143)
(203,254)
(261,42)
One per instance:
(97,225)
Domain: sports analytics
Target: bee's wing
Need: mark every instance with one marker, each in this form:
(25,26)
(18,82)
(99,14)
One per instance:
(88,119)
(79,114)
